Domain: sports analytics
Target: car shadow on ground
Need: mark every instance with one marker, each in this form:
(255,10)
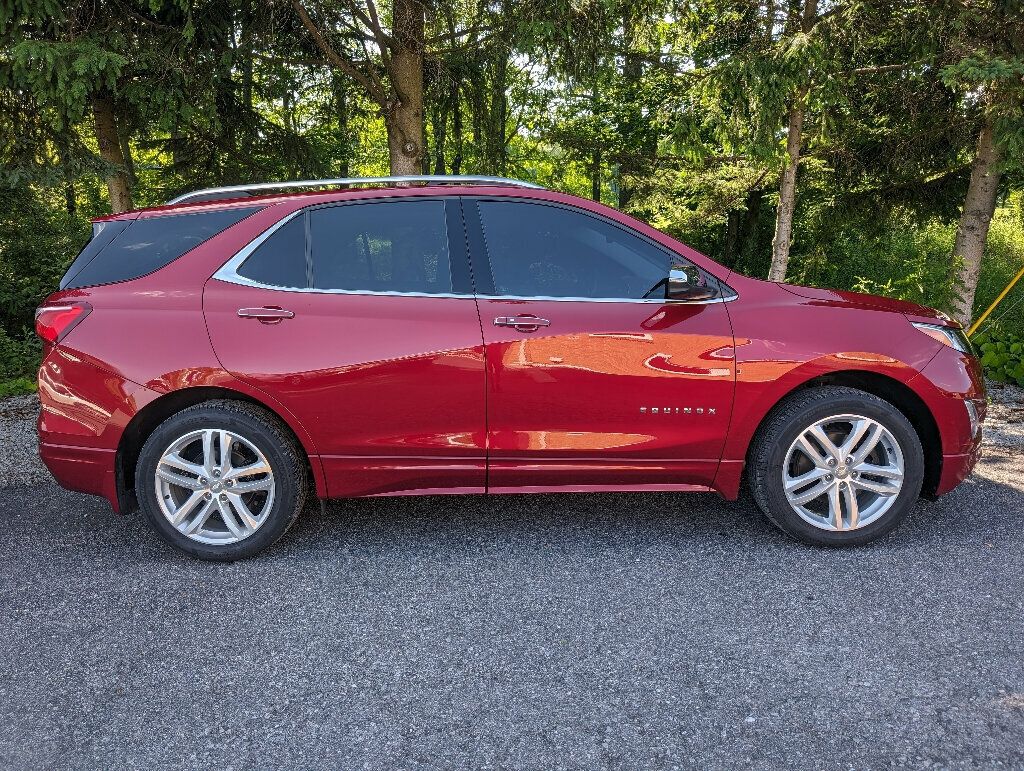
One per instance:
(975,511)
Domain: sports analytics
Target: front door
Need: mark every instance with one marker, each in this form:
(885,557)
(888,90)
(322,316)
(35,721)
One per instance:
(359,318)
(591,382)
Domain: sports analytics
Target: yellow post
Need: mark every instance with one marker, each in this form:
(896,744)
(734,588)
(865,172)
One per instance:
(992,307)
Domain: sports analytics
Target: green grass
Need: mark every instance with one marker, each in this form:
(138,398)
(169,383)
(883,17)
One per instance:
(17,387)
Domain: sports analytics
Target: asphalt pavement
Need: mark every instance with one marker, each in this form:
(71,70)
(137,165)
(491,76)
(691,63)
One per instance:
(574,631)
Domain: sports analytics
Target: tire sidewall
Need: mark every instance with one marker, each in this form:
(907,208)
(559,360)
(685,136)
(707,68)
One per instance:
(286,494)
(867,406)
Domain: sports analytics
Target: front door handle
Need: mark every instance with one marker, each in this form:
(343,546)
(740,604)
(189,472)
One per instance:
(268,314)
(525,323)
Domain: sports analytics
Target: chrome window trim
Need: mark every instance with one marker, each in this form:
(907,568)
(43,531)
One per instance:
(228,273)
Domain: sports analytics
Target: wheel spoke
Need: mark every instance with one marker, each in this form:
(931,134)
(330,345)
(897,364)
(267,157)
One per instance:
(174,460)
(852,507)
(209,462)
(826,443)
(259,467)
(225,440)
(835,511)
(186,508)
(878,487)
(248,518)
(886,472)
(200,519)
(805,497)
(874,435)
(807,447)
(251,487)
(795,483)
(179,480)
(228,515)
(859,428)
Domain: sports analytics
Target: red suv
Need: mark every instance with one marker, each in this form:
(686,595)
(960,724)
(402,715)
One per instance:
(214,361)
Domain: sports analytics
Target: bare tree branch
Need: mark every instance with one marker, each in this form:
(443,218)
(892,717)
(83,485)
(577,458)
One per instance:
(370,82)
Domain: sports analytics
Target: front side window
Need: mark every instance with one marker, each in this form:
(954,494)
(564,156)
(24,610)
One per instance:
(538,250)
(392,246)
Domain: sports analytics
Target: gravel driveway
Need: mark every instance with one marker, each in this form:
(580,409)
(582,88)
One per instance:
(619,631)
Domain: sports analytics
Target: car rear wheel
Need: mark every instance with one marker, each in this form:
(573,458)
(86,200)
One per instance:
(221,480)
(836,466)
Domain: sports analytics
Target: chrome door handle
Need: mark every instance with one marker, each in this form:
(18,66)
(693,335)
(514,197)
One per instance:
(266,315)
(525,323)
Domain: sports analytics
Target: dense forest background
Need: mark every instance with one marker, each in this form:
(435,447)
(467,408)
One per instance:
(863,145)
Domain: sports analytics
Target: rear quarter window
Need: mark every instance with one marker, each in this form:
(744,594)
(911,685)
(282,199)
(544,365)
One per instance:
(146,245)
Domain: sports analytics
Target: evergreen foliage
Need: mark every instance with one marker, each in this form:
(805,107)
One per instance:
(681,113)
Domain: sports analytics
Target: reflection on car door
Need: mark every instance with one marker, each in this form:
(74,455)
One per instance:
(590,384)
(369,335)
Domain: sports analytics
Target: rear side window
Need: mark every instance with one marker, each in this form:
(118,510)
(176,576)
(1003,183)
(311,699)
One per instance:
(146,245)
(394,246)
(281,259)
(102,234)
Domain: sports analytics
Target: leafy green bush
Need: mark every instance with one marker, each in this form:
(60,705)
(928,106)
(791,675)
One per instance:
(1002,355)
(19,355)
(16,387)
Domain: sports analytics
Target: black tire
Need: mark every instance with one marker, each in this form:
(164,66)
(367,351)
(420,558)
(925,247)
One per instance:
(792,417)
(257,426)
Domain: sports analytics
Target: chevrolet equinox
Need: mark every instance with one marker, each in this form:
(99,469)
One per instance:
(216,361)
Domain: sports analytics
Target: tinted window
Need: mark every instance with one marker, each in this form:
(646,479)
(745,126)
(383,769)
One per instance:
(397,246)
(151,243)
(102,234)
(548,251)
(281,259)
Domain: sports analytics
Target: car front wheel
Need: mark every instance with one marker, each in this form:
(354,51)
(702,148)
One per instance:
(221,480)
(836,466)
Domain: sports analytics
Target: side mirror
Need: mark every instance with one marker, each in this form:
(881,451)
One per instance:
(685,284)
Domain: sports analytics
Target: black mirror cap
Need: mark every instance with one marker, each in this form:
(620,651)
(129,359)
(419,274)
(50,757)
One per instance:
(686,284)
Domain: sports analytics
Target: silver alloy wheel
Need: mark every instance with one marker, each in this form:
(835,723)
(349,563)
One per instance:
(214,486)
(843,472)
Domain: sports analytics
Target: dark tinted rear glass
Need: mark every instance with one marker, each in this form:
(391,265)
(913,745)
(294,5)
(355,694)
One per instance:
(281,259)
(149,244)
(102,234)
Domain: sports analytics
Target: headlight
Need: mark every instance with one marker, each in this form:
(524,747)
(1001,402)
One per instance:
(951,336)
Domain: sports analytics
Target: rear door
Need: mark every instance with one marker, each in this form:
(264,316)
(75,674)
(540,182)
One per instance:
(592,380)
(360,319)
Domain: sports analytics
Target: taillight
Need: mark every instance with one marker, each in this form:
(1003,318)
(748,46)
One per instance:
(53,322)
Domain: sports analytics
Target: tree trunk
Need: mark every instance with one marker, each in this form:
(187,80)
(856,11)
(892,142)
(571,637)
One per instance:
(751,231)
(440,124)
(499,115)
(595,175)
(404,118)
(732,238)
(341,109)
(110,150)
(787,197)
(632,74)
(456,97)
(794,144)
(979,206)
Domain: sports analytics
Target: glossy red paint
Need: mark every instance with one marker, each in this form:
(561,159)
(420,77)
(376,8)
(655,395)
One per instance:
(422,395)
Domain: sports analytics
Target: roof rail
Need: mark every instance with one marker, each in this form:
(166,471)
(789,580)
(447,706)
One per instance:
(213,193)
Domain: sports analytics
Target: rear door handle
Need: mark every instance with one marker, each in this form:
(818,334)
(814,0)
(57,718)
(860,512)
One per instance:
(267,315)
(524,323)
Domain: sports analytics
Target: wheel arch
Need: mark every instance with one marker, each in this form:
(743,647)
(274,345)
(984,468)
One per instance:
(146,420)
(899,395)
